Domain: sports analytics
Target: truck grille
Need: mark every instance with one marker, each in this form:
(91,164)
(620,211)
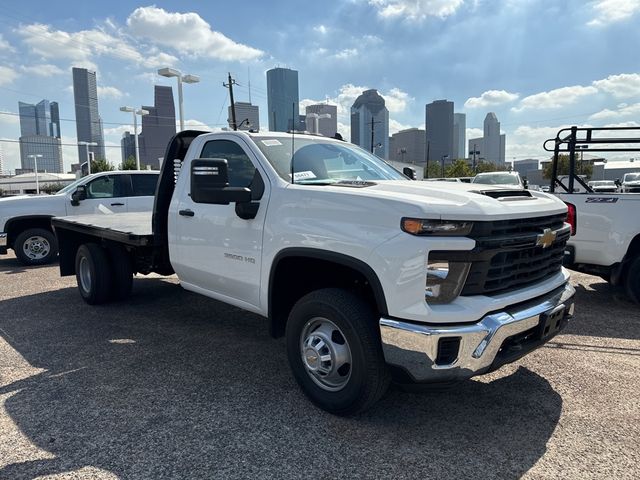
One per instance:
(507,257)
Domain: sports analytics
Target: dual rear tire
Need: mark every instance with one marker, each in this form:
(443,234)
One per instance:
(103,274)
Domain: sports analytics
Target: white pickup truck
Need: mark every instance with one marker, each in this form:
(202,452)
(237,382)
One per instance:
(605,227)
(365,272)
(25,221)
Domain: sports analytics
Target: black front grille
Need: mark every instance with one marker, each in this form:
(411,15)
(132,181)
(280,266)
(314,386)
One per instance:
(507,257)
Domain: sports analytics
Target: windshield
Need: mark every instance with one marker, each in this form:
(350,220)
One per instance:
(71,187)
(631,177)
(497,179)
(322,162)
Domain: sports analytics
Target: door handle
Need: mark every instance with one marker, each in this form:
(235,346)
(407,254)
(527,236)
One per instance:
(117,204)
(186,213)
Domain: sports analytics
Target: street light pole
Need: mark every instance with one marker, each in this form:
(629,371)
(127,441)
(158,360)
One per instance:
(87,145)
(172,72)
(35,157)
(444,157)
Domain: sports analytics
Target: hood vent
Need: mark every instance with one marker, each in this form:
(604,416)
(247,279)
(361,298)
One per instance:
(506,195)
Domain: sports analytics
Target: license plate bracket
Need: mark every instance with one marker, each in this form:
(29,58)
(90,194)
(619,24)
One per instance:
(551,322)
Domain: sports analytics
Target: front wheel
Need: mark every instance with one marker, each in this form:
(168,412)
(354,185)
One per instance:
(334,351)
(35,246)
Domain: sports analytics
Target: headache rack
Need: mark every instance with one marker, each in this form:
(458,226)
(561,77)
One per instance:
(595,139)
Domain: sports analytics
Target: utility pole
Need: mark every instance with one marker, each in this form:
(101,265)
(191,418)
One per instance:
(230,85)
(427,159)
(372,122)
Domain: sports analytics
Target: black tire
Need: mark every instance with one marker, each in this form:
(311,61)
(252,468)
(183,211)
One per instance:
(93,274)
(121,273)
(368,375)
(632,281)
(30,244)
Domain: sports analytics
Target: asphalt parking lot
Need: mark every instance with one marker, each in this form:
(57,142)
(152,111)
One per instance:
(174,385)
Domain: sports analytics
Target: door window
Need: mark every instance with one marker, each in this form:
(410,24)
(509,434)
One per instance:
(109,186)
(144,185)
(241,170)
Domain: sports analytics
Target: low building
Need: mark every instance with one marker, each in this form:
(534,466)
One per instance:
(25,183)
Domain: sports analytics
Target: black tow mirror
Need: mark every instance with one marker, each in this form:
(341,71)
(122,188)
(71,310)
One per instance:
(409,172)
(210,183)
(78,195)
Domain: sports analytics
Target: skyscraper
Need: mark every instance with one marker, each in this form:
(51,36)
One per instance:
(39,135)
(247,116)
(439,125)
(283,99)
(369,112)
(459,135)
(88,122)
(409,146)
(491,147)
(157,128)
(326,126)
(127,146)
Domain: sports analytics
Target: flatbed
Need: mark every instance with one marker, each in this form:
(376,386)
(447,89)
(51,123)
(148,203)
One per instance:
(126,228)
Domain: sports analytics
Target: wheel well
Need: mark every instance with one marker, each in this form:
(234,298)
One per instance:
(294,276)
(16,226)
(634,248)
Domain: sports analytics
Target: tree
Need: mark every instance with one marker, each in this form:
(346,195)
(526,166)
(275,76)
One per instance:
(101,165)
(51,188)
(459,168)
(563,167)
(129,164)
(434,170)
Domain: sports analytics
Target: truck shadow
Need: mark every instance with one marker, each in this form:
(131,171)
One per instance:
(175,385)
(10,265)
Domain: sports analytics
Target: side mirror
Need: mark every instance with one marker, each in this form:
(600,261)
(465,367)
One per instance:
(78,195)
(409,172)
(210,183)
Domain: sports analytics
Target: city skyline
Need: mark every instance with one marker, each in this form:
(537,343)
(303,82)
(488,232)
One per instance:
(412,54)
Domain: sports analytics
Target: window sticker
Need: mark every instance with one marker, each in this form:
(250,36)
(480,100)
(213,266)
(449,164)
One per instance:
(271,143)
(308,175)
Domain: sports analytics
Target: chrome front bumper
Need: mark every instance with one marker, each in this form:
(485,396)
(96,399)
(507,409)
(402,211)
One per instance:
(435,353)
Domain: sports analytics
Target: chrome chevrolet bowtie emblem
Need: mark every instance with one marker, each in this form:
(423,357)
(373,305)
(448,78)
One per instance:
(546,238)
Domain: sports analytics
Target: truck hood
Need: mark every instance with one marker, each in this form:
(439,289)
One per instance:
(26,205)
(455,201)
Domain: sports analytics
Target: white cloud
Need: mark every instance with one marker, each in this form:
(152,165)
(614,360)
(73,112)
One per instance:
(346,54)
(623,110)
(119,130)
(198,125)
(557,98)
(395,126)
(321,29)
(620,86)
(491,98)
(416,10)
(611,11)
(188,33)
(80,46)
(7,75)
(4,45)
(396,100)
(162,60)
(43,70)
(109,92)
(474,133)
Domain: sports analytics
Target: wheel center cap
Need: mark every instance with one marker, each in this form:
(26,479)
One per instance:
(311,358)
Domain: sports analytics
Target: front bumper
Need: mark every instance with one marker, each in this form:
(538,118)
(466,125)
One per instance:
(3,243)
(437,353)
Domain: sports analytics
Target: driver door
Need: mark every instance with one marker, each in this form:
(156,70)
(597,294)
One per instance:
(106,194)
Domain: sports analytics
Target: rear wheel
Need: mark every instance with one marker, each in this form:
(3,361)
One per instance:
(35,246)
(93,274)
(632,282)
(335,353)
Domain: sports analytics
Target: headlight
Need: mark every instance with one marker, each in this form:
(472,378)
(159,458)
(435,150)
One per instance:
(417,226)
(445,280)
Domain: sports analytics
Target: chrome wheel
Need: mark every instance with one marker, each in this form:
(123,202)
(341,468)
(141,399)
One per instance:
(84,272)
(325,353)
(36,247)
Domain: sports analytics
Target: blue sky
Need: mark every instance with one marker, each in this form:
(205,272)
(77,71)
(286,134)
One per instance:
(539,64)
